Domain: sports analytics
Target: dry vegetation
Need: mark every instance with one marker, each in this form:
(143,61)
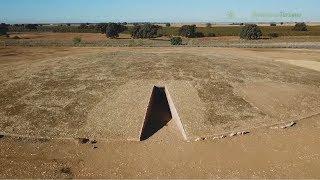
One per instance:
(54,96)
(54,92)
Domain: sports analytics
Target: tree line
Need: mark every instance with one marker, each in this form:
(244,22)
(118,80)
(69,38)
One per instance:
(144,30)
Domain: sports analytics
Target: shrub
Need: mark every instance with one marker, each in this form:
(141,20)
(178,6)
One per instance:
(190,31)
(77,40)
(113,30)
(145,31)
(31,26)
(300,27)
(175,41)
(208,25)
(199,34)
(273,35)
(250,31)
(168,24)
(3,29)
(273,24)
(210,34)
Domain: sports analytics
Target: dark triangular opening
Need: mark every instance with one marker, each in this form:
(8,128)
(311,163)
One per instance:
(158,113)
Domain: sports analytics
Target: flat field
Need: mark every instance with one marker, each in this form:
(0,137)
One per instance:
(52,99)
(49,39)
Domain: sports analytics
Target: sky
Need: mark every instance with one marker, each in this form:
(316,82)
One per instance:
(77,11)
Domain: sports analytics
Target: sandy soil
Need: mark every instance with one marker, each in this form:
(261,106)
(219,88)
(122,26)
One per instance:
(51,97)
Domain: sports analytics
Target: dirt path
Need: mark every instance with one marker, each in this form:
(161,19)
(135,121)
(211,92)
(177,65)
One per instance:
(306,64)
(264,153)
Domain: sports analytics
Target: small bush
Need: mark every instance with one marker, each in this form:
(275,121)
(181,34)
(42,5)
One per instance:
(210,34)
(77,40)
(168,24)
(209,25)
(300,27)
(145,31)
(3,29)
(199,34)
(273,35)
(250,32)
(273,24)
(175,41)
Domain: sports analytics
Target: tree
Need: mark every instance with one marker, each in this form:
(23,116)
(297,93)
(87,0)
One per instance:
(113,30)
(31,26)
(208,25)
(176,41)
(83,26)
(168,24)
(273,24)
(145,31)
(300,27)
(101,27)
(3,29)
(190,31)
(250,31)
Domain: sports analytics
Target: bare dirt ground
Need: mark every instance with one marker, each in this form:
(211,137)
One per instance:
(51,97)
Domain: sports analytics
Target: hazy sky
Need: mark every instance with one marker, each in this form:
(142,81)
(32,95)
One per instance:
(35,11)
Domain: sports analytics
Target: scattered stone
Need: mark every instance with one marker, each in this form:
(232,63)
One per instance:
(239,133)
(214,138)
(245,132)
(66,170)
(223,136)
(233,134)
(1,136)
(83,140)
(94,142)
(197,139)
(288,125)
(203,138)
(95,147)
